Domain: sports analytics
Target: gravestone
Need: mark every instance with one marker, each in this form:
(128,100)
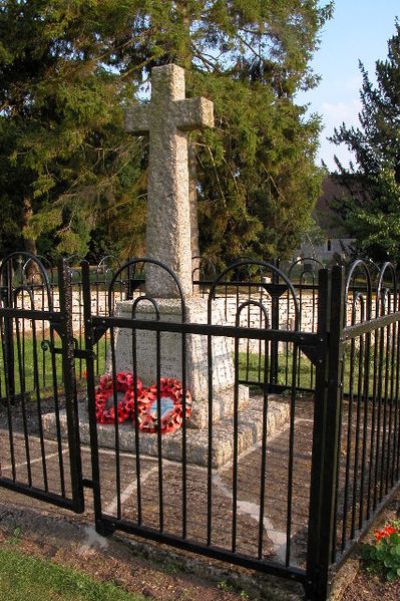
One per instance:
(167,119)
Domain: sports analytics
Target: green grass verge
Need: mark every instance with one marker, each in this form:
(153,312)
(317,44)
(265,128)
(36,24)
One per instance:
(23,577)
(32,362)
(251,368)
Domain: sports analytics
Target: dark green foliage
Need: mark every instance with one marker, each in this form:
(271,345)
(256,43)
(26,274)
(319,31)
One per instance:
(261,183)
(64,157)
(383,556)
(256,178)
(371,209)
(67,71)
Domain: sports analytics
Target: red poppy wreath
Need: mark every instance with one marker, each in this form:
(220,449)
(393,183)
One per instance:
(171,403)
(171,407)
(125,388)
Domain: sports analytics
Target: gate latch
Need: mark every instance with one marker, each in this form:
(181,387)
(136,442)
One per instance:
(47,345)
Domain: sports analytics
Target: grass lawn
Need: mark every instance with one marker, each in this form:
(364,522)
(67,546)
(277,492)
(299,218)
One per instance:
(26,370)
(251,368)
(24,577)
(33,362)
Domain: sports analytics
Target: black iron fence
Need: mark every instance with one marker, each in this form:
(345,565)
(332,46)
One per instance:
(259,423)
(240,285)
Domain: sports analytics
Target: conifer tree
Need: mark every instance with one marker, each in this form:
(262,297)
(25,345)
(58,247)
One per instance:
(68,69)
(64,157)
(371,207)
(256,178)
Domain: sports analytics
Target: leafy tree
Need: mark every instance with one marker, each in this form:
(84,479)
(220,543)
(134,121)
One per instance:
(256,178)
(67,69)
(65,159)
(371,207)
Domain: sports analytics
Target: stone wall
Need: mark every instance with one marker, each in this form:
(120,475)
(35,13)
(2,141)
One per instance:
(99,305)
(251,315)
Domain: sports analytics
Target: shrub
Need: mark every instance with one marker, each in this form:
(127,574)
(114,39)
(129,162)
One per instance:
(383,555)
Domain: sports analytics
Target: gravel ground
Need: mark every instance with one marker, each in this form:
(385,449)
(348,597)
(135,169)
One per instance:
(78,545)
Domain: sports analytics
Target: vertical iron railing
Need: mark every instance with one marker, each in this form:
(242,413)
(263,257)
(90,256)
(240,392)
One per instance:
(29,463)
(275,296)
(90,375)
(368,473)
(354,358)
(8,338)
(327,429)
(69,381)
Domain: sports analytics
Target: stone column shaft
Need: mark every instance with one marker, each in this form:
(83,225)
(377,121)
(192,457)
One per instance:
(168,118)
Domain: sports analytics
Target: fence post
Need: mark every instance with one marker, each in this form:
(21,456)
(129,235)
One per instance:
(8,342)
(130,276)
(94,447)
(326,436)
(275,297)
(69,381)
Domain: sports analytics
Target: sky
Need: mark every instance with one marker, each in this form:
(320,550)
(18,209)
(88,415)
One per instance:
(359,30)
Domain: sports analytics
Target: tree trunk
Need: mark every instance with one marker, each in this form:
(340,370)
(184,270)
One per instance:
(29,243)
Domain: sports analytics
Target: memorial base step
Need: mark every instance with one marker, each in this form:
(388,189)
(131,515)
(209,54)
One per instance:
(250,428)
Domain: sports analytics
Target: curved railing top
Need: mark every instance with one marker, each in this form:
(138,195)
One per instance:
(7,275)
(304,260)
(382,290)
(102,265)
(359,295)
(150,262)
(262,267)
(209,264)
(74,258)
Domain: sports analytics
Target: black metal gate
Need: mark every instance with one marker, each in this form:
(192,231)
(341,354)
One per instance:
(140,484)
(37,371)
(295,503)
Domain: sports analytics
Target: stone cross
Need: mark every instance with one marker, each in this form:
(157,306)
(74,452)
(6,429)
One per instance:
(167,119)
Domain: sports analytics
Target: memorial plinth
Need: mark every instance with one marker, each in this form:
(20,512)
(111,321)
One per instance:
(250,429)
(202,367)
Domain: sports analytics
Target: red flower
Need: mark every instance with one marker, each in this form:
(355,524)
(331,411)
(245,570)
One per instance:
(384,533)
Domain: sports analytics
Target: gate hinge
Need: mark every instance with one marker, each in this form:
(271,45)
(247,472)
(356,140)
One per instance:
(315,352)
(84,354)
(78,352)
(98,332)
